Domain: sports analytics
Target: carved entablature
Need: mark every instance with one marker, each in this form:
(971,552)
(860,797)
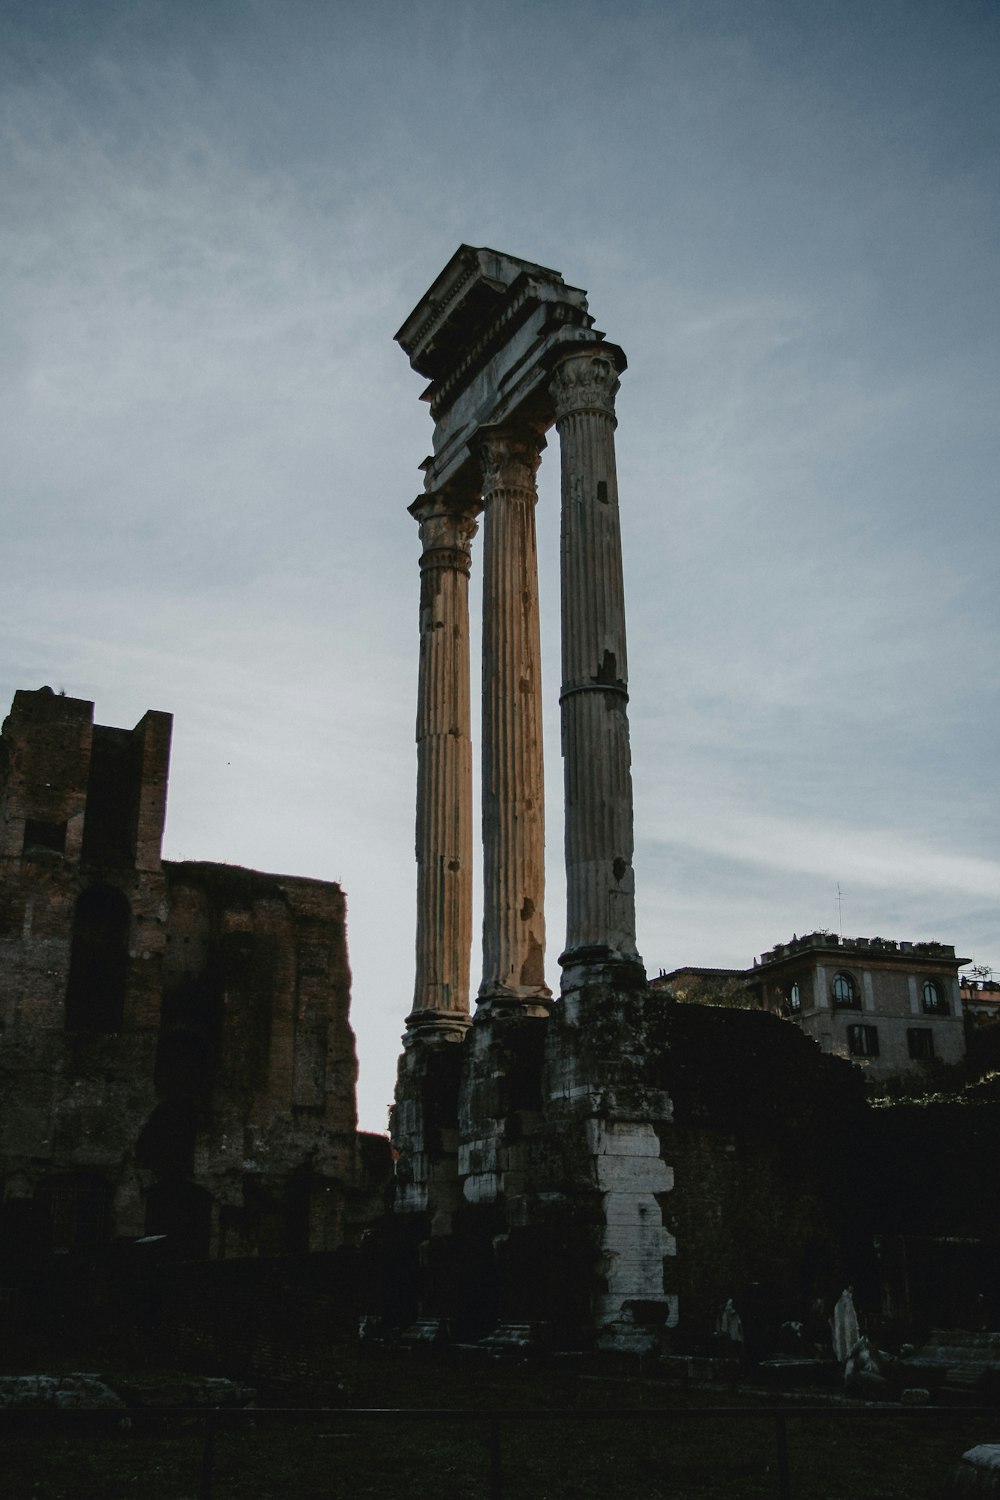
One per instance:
(486,334)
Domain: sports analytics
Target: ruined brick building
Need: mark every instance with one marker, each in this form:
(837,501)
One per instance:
(176,1054)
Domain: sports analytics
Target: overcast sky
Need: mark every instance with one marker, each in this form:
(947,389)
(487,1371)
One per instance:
(214,214)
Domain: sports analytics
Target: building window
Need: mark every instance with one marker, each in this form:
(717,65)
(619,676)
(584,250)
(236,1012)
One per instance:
(920,1040)
(862,1041)
(845,992)
(795,996)
(935,1003)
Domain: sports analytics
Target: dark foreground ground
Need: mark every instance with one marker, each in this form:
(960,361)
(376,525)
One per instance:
(587,1433)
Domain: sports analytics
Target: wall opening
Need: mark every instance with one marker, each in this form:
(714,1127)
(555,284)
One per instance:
(98,965)
(112,799)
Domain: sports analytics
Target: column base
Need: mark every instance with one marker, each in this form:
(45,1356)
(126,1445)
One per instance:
(436,1026)
(498,999)
(597,964)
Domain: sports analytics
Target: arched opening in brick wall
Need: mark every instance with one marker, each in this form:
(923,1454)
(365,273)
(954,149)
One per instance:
(98,965)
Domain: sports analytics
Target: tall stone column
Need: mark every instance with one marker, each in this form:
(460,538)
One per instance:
(513,792)
(594,698)
(444,767)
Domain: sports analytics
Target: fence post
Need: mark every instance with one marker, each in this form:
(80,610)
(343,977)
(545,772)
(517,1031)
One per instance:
(496,1473)
(207,1458)
(781,1434)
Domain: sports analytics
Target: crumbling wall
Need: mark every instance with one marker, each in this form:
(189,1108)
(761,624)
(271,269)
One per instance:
(936,1217)
(257,1051)
(630,1163)
(76,1061)
(176,1055)
(771,1201)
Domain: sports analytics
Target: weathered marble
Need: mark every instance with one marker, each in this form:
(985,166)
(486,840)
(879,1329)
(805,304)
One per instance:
(481,335)
(595,737)
(513,790)
(444,765)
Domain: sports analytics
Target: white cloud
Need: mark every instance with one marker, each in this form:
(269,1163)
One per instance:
(887,857)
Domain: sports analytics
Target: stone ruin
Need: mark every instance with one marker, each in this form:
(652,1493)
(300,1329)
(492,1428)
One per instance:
(537,1140)
(530,1181)
(178,1060)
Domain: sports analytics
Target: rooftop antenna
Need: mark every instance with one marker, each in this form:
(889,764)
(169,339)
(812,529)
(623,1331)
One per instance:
(840,910)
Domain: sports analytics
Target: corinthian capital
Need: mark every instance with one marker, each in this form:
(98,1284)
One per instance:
(509,458)
(447,523)
(585,381)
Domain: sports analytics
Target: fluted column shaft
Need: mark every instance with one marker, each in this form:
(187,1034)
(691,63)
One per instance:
(444,765)
(513,783)
(595,737)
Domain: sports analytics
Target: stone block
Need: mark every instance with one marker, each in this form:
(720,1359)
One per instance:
(622,1138)
(634,1209)
(977,1473)
(630,1174)
(484,1187)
